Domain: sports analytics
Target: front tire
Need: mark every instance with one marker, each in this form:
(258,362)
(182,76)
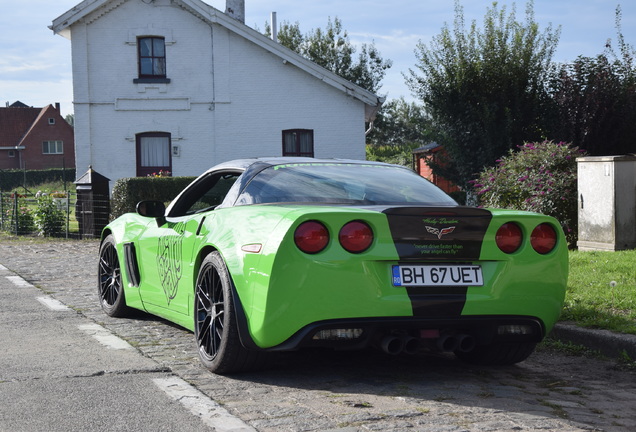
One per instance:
(498,354)
(215,324)
(110,288)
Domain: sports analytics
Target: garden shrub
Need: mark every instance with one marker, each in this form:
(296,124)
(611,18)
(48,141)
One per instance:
(11,179)
(539,177)
(395,154)
(23,217)
(49,219)
(127,192)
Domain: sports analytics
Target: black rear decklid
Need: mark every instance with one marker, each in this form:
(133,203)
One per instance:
(438,233)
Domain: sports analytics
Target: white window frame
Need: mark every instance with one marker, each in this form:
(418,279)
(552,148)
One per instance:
(58,147)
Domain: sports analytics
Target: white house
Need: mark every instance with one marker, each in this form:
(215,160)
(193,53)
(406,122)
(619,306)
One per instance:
(177,85)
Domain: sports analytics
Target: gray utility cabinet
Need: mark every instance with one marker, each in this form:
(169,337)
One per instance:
(607,202)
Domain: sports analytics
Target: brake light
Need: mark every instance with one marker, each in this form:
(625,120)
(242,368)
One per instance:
(311,237)
(509,237)
(356,236)
(543,238)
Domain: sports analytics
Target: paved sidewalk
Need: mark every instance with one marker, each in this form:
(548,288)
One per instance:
(60,371)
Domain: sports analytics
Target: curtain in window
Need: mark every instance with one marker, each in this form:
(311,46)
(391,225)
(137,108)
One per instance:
(289,142)
(306,143)
(145,47)
(159,54)
(155,151)
(298,142)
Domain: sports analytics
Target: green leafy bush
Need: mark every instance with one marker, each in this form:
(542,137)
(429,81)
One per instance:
(395,154)
(540,177)
(127,192)
(49,219)
(22,216)
(11,179)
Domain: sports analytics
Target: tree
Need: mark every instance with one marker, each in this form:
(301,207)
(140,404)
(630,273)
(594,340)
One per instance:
(400,123)
(484,88)
(595,100)
(332,49)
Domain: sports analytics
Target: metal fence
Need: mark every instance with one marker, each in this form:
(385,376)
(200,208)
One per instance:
(58,214)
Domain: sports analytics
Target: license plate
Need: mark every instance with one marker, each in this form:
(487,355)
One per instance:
(437,275)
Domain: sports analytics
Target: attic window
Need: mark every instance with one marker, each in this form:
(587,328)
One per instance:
(151,56)
(51,121)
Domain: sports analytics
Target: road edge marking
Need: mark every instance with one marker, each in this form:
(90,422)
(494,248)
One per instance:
(210,412)
(19,281)
(105,337)
(53,304)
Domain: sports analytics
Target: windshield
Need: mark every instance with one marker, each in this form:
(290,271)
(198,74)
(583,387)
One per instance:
(341,183)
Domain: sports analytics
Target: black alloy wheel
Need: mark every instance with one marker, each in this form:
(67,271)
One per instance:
(215,324)
(110,289)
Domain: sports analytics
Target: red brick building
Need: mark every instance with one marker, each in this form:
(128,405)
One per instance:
(35,138)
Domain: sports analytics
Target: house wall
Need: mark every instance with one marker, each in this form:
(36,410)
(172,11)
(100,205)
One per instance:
(227,98)
(32,157)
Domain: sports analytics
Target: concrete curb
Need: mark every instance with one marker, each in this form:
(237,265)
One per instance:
(608,343)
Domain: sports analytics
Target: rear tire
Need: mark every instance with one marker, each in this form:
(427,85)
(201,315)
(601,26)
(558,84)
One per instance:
(498,354)
(215,324)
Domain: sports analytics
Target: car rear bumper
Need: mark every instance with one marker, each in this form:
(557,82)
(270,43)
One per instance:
(449,334)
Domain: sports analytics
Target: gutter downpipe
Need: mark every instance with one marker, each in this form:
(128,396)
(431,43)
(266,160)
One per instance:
(373,114)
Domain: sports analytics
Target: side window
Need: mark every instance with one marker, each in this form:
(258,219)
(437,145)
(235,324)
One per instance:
(298,142)
(206,195)
(213,196)
(153,154)
(151,58)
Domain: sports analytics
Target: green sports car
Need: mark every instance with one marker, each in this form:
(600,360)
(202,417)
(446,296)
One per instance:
(275,254)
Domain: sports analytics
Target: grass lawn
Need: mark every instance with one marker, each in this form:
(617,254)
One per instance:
(602,290)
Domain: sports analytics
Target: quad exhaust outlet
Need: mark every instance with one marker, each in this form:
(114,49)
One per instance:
(396,344)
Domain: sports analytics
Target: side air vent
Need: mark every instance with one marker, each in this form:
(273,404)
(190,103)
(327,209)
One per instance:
(132,268)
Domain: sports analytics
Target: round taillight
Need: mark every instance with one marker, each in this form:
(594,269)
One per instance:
(543,238)
(311,237)
(356,236)
(509,237)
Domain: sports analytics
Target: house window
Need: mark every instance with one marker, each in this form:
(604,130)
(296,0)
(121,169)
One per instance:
(153,154)
(11,153)
(152,58)
(51,121)
(52,147)
(298,142)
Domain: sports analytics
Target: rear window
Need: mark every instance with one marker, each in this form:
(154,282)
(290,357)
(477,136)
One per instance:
(333,183)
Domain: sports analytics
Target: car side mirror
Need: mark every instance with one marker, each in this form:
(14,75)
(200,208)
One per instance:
(154,209)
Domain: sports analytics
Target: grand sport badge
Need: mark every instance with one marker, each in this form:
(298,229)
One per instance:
(439,232)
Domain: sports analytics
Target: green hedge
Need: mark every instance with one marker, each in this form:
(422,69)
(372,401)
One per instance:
(127,192)
(11,179)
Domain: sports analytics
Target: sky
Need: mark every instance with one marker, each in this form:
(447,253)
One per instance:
(35,64)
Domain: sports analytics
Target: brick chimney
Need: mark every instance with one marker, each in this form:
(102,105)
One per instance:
(236,9)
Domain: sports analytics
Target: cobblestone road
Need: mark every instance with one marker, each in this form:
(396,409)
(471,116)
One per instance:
(361,391)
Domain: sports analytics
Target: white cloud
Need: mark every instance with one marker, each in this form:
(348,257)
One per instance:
(35,65)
